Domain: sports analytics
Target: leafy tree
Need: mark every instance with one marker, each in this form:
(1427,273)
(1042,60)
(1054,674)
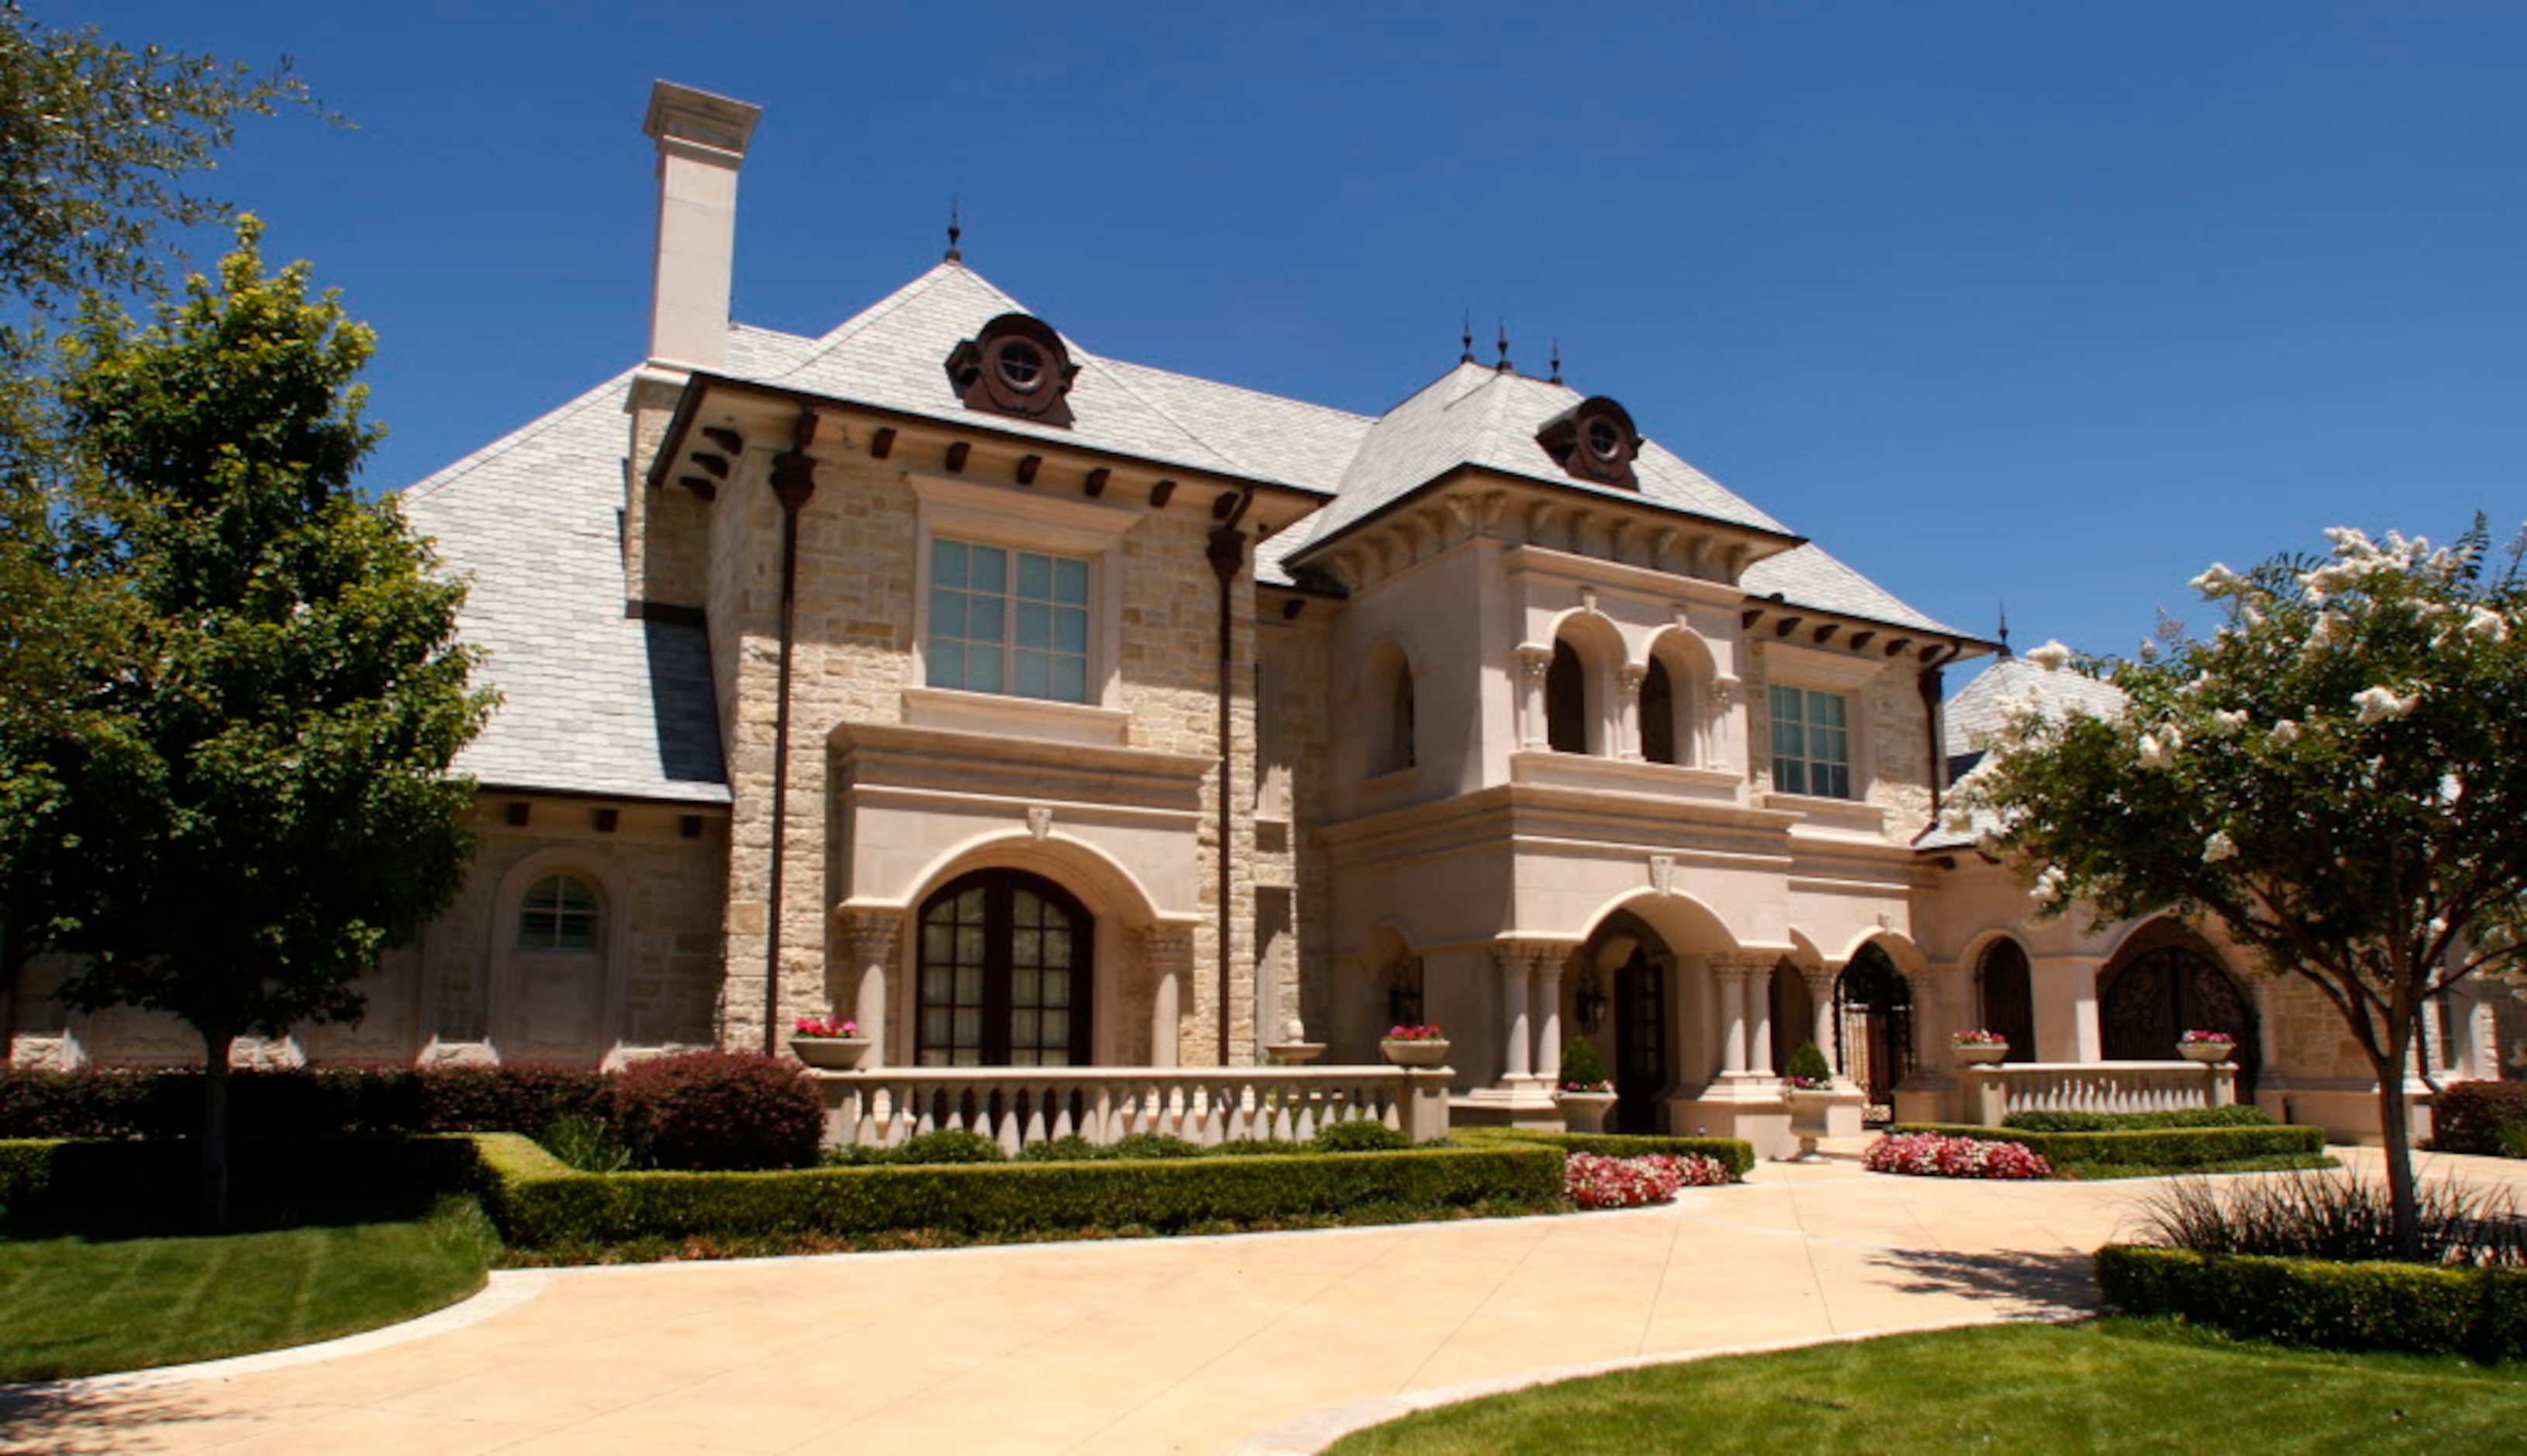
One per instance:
(257,802)
(2339,775)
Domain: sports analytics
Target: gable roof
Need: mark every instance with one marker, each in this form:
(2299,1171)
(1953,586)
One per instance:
(1975,710)
(591,702)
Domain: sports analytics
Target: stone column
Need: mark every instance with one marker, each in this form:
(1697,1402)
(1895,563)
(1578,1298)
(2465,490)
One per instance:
(1759,1022)
(1731,978)
(1627,712)
(1723,696)
(1167,955)
(1533,663)
(869,937)
(1545,1009)
(1517,965)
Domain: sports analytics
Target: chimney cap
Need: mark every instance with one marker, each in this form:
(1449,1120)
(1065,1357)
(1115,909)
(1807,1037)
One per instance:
(683,114)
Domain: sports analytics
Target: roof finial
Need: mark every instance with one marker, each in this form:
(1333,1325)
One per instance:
(1557,360)
(2004,629)
(955,231)
(1504,366)
(1467,357)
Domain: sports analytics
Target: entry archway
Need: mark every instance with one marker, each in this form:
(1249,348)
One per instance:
(2165,982)
(1873,1026)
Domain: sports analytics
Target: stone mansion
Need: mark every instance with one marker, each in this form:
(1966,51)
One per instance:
(1034,707)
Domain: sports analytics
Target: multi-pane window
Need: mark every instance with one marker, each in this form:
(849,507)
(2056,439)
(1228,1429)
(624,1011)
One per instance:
(1004,620)
(1003,979)
(559,913)
(1811,743)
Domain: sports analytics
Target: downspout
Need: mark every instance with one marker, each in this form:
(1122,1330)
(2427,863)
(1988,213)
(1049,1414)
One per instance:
(794,483)
(1227,554)
(1933,695)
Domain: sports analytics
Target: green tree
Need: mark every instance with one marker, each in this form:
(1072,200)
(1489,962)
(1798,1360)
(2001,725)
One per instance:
(2338,774)
(257,802)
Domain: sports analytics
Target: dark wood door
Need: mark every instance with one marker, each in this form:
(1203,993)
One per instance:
(2008,1000)
(1641,1044)
(2164,993)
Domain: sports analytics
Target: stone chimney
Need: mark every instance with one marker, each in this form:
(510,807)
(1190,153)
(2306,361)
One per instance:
(702,142)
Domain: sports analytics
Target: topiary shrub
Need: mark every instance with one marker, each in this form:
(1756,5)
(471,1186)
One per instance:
(1808,1067)
(1583,1067)
(720,1111)
(1358,1137)
(948,1145)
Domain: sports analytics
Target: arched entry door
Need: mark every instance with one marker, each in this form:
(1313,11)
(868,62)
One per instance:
(1874,1027)
(1640,1042)
(1004,977)
(2008,997)
(2162,989)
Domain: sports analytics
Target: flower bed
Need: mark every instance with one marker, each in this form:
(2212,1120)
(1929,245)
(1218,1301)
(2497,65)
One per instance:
(1595,1182)
(1932,1155)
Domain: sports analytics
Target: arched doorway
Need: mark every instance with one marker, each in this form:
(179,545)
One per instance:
(1872,1024)
(2008,998)
(1793,1015)
(2164,984)
(1003,975)
(1641,1069)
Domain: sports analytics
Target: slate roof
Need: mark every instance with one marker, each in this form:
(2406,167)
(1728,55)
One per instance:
(1976,710)
(597,703)
(592,702)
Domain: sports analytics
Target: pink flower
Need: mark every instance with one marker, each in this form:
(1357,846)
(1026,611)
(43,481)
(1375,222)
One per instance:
(1932,1155)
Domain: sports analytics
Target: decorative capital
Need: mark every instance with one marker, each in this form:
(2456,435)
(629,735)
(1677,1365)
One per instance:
(1534,660)
(871,934)
(1724,692)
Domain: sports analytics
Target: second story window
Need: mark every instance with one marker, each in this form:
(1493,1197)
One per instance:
(1811,743)
(1003,620)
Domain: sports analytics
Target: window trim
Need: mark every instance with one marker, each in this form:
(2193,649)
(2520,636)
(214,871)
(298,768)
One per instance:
(1024,520)
(1856,784)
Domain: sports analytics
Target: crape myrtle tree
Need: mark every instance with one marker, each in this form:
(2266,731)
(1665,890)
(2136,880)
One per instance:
(259,801)
(2338,774)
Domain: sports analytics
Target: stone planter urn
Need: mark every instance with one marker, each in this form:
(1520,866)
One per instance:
(1980,1053)
(1584,1111)
(831,1053)
(1415,1053)
(2209,1053)
(1294,1053)
(1809,1111)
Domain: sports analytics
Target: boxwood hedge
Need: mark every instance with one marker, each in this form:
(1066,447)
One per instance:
(1734,1154)
(538,1200)
(2183,1117)
(2173,1147)
(2480,1313)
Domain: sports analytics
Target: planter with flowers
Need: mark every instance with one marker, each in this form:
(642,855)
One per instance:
(828,1045)
(2208,1047)
(1585,1094)
(1979,1048)
(1416,1046)
(1807,1085)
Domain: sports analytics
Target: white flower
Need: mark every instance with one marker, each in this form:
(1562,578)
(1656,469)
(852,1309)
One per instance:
(2219,847)
(2451,788)
(2227,719)
(2047,888)
(2250,614)
(2157,755)
(2378,704)
(2332,630)
(2052,656)
(2486,623)
(2218,581)
(2285,732)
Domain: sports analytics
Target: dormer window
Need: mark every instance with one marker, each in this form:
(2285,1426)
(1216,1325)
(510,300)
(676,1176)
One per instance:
(1595,440)
(1016,365)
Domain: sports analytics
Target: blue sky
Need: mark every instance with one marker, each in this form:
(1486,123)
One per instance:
(2048,305)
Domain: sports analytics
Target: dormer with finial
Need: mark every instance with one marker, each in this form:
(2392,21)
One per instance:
(1016,365)
(1594,440)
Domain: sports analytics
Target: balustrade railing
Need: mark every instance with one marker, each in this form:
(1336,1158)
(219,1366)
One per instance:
(1993,1092)
(1017,1106)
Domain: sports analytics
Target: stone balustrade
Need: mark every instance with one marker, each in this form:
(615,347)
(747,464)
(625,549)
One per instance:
(1015,1105)
(1993,1092)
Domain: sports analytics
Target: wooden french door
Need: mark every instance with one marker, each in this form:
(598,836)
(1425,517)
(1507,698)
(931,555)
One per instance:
(1640,1043)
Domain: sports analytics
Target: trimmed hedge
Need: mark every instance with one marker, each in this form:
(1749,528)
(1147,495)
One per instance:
(73,1177)
(538,1201)
(2485,1118)
(2481,1312)
(2174,1147)
(2240,1115)
(306,1102)
(1734,1154)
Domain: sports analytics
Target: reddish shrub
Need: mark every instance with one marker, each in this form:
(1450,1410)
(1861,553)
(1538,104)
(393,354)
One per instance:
(720,1110)
(2469,1116)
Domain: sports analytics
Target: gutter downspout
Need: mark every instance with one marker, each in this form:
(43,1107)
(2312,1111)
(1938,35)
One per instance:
(1228,555)
(794,485)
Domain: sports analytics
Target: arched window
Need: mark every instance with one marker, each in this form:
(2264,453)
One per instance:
(558,913)
(1566,701)
(1005,975)
(1399,722)
(1658,716)
(2008,1001)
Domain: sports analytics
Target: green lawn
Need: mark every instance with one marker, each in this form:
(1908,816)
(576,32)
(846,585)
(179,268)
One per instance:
(74,1306)
(2106,1386)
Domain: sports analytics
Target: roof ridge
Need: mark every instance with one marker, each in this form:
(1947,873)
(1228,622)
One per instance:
(1221,384)
(464,465)
(858,323)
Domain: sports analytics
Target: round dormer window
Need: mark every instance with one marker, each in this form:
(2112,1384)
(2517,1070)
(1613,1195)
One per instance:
(1605,439)
(1595,440)
(1021,365)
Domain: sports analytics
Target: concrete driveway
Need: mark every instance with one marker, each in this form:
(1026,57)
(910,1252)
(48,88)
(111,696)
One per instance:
(1143,1345)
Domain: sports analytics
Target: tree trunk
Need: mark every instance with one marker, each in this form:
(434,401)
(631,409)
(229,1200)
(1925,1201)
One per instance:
(215,1130)
(2396,1124)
